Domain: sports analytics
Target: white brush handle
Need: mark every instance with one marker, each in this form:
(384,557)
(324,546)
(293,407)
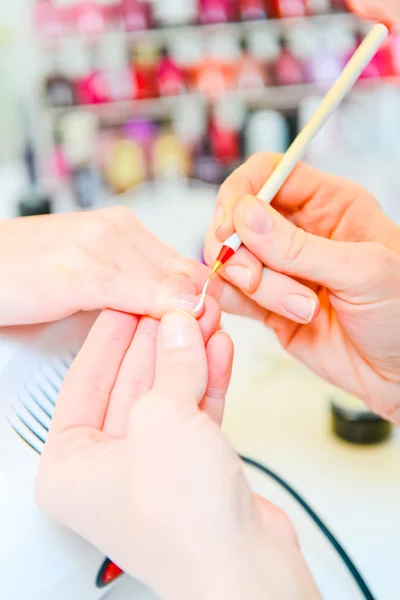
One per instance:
(349,76)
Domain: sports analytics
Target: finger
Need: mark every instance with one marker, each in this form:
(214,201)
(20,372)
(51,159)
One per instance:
(375,10)
(274,291)
(249,179)
(248,269)
(229,298)
(86,390)
(211,315)
(343,267)
(148,245)
(181,364)
(138,296)
(135,377)
(220,360)
(330,195)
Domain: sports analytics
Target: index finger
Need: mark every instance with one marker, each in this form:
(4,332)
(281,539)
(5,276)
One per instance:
(86,390)
(304,183)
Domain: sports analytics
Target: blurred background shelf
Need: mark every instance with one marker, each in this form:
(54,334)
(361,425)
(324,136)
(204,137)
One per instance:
(285,98)
(162,35)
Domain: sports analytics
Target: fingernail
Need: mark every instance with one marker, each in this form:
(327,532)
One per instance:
(300,307)
(219,217)
(255,216)
(239,276)
(186,302)
(175,329)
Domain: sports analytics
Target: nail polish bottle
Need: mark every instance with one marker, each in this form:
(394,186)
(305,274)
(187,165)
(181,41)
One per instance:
(115,75)
(58,83)
(206,166)
(34,201)
(251,10)
(266,131)
(127,167)
(325,64)
(318,7)
(288,68)
(288,8)
(265,50)
(48,20)
(144,132)
(224,133)
(216,73)
(143,67)
(170,77)
(136,15)
(178,12)
(90,84)
(171,160)
(353,422)
(79,133)
(217,11)
(251,76)
(89,19)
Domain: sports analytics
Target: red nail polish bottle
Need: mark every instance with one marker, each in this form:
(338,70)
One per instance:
(288,8)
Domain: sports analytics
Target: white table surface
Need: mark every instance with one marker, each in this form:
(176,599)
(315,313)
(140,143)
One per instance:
(277,413)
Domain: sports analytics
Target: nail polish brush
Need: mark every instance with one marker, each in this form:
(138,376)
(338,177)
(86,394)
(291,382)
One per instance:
(345,82)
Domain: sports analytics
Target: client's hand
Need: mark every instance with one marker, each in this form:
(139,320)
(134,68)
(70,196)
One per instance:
(136,464)
(54,266)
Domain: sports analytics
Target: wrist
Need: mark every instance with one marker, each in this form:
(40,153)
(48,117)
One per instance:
(264,572)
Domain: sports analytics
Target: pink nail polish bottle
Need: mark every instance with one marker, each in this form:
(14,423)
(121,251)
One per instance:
(251,76)
(48,20)
(89,19)
(170,77)
(288,69)
(136,15)
(217,11)
(115,73)
(252,9)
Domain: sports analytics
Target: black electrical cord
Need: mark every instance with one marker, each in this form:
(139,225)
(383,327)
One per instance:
(366,592)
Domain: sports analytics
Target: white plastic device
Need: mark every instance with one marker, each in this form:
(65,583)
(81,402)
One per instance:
(39,560)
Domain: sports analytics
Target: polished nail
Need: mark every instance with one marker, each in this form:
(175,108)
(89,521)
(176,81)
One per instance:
(175,329)
(300,307)
(256,216)
(239,275)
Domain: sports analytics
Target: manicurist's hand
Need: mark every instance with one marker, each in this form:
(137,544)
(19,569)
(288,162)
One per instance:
(321,267)
(136,464)
(54,266)
(387,11)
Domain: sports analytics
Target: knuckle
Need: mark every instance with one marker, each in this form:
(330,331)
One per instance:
(97,231)
(120,214)
(298,246)
(379,262)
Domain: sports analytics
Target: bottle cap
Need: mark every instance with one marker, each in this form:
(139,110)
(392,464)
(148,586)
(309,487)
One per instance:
(353,422)
(34,203)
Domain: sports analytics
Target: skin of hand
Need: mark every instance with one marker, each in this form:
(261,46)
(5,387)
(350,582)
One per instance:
(136,464)
(327,279)
(387,11)
(54,266)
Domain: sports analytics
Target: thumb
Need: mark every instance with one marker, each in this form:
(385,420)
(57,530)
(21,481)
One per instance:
(181,363)
(347,267)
